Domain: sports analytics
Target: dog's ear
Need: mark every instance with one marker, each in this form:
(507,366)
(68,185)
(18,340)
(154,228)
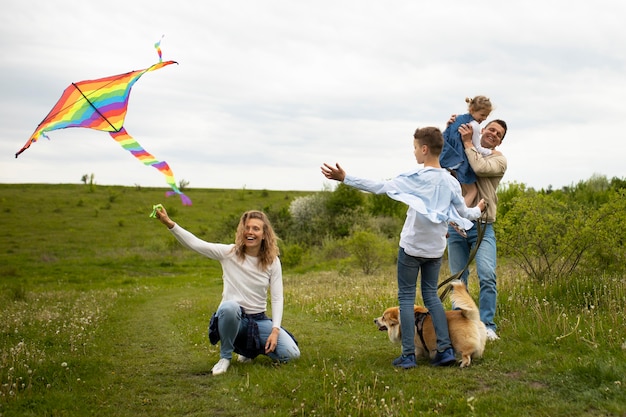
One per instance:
(391,317)
(391,321)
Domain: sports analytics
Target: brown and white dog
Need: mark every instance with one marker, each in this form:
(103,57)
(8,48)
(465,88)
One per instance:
(467,333)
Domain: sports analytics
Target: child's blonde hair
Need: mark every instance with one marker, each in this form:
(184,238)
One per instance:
(478,103)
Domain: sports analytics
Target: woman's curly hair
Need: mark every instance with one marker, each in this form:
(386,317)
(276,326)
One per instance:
(269,245)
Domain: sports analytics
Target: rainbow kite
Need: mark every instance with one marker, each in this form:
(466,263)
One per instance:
(101,105)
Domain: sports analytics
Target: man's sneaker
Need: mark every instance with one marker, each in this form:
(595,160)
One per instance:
(445,358)
(405,361)
(491,335)
(243,359)
(221,366)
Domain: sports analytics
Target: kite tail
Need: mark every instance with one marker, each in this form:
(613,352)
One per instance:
(130,144)
(158,48)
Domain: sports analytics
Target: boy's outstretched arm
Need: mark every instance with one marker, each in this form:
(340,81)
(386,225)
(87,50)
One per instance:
(333,172)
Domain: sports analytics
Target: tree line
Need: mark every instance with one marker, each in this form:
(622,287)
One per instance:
(549,233)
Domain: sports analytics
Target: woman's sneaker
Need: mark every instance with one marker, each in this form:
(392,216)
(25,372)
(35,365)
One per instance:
(243,359)
(221,366)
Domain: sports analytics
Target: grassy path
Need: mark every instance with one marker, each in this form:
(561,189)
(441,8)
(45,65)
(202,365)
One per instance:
(154,369)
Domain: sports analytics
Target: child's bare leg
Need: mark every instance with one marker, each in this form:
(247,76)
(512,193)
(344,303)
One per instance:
(470,192)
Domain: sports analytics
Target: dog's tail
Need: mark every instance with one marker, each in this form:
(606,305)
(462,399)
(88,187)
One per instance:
(464,301)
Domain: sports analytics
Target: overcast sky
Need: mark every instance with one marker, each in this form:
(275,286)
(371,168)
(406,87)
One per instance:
(267,90)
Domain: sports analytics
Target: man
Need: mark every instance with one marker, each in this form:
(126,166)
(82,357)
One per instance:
(489,171)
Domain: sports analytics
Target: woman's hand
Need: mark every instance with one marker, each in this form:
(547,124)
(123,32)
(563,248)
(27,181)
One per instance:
(272,341)
(161,214)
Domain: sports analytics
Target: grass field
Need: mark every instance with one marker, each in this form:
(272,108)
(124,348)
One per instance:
(103,314)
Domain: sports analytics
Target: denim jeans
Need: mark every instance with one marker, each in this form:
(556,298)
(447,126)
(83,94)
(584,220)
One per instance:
(408,270)
(231,324)
(458,253)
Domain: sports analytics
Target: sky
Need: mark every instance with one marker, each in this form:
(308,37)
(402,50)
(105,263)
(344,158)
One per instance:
(265,91)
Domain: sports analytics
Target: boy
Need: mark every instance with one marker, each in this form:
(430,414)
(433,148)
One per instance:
(434,199)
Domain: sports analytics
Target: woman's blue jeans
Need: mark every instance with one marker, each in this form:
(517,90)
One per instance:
(231,324)
(408,269)
(458,253)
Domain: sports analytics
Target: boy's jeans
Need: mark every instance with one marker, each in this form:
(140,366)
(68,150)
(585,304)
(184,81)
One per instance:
(408,270)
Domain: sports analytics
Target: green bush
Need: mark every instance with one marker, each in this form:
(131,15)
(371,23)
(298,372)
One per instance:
(551,235)
(290,255)
(370,251)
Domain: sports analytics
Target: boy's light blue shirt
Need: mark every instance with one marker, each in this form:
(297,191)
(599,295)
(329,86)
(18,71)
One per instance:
(434,198)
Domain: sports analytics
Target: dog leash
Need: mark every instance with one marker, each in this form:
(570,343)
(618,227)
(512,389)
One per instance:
(480,227)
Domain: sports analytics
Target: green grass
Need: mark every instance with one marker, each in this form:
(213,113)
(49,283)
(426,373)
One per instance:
(103,314)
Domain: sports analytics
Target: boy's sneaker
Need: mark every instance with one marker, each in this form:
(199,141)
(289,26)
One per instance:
(221,366)
(243,359)
(405,361)
(445,358)
(491,335)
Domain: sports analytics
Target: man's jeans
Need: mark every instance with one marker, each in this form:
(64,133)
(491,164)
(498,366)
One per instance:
(458,253)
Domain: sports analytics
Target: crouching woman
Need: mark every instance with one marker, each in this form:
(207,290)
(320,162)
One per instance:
(250,267)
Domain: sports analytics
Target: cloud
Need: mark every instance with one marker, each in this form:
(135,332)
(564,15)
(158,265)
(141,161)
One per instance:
(266,91)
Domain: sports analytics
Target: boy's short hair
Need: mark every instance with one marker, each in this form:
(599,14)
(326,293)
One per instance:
(431,137)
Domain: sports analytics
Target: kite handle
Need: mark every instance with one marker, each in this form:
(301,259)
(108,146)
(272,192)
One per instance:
(154,210)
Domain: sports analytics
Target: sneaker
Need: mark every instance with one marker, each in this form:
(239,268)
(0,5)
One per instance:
(405,361)
(221,366)
(445,358)
(491,335)
(243,359)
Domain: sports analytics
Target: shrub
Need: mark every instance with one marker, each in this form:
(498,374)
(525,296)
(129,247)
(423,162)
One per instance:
(553,235)
(369,251)
(544,236)
(290,255)
(308,219)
